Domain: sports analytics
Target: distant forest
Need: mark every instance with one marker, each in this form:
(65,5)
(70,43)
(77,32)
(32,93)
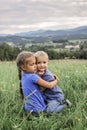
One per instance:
(9,53)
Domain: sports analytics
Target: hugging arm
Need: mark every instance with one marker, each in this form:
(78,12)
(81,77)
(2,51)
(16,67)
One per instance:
(46,84)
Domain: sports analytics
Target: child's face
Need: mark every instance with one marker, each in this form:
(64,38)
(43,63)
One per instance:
(42,63)
(30,65)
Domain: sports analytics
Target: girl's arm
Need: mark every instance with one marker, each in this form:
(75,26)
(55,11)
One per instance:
(46,84)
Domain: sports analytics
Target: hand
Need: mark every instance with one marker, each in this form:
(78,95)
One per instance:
(42,88)
(56,77)
(40,73)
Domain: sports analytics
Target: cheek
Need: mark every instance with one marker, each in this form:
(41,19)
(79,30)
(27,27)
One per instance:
(38,65)
(46,65)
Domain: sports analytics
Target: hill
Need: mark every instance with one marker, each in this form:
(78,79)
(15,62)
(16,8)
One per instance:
(41,36)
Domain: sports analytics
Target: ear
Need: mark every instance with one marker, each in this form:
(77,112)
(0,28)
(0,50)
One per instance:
(23,67)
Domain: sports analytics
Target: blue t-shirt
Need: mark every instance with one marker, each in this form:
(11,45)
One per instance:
(53,93)
(33,98)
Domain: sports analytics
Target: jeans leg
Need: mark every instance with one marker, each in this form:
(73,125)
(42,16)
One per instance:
(55,106)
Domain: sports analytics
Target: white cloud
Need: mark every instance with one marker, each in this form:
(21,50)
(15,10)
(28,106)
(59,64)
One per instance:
(27,15)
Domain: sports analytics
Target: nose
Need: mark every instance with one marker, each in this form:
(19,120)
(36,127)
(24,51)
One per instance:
(41,64)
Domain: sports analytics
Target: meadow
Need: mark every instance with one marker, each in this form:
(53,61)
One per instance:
(73,81)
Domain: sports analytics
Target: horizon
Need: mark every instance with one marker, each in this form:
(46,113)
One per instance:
(43,30)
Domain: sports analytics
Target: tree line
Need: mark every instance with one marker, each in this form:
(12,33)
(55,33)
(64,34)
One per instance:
(9,53)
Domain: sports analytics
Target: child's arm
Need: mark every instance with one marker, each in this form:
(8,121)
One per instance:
(40,73)
(46,84)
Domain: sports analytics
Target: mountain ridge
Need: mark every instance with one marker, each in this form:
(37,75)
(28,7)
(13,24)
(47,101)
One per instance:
(51,32)
(45,35)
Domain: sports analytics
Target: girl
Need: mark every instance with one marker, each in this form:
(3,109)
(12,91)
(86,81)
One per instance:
(29,83)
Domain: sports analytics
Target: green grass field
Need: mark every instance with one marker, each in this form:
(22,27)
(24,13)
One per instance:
(73,81)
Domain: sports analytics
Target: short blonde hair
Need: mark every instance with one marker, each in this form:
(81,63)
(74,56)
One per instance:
(41,53)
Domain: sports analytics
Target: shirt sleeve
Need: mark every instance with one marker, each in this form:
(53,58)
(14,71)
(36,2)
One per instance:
(35,78)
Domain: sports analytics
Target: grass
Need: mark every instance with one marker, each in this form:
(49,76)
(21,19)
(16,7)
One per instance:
(73,81)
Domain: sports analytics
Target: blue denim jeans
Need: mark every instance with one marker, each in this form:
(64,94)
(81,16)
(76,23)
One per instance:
(55,106)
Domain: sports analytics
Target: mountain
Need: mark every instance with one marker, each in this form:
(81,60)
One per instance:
(45,35)
(38,33)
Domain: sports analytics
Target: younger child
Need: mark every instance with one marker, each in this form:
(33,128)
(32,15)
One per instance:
(53,96)
(30,90)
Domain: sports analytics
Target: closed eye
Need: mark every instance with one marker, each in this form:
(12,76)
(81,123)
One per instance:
(38,62)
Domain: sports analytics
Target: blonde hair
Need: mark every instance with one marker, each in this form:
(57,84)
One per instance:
(41,53)
(21,60)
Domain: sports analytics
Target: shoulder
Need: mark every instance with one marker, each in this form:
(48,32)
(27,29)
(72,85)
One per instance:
(31,76)
(48,75)
(35,77)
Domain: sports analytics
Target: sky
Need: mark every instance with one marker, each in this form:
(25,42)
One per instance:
(29,15)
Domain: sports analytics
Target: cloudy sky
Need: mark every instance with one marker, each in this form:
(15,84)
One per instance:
(28,15)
